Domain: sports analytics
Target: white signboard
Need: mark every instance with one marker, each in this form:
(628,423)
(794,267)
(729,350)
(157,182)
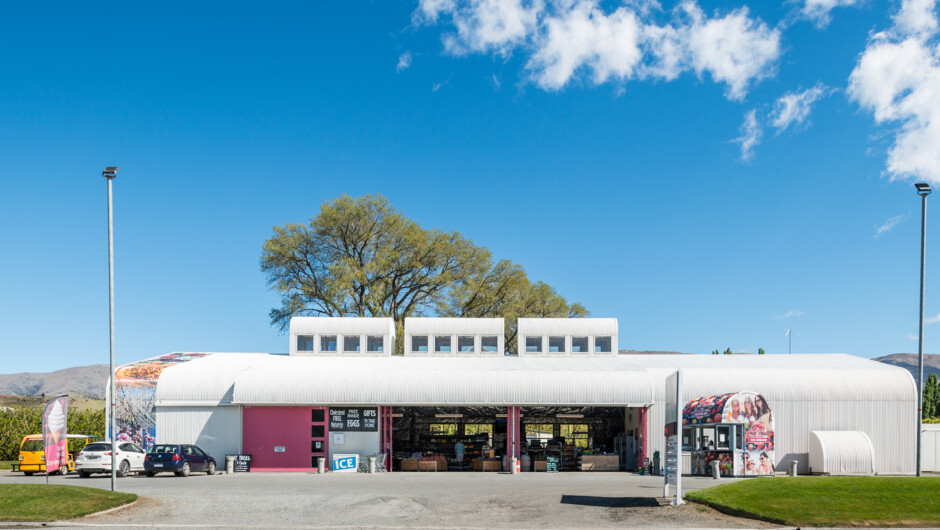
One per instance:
(280,449)
(345,463)
(673,468)
(339,438)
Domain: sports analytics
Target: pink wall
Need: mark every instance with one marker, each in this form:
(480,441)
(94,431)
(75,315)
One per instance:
(265,427)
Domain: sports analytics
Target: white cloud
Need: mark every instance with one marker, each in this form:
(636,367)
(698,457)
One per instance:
(566,40)
(751,133)
(794,107)
(818,10)
(888,225)
(932,320)
(492,25)
(790,314)
(897,78)
(917,17)
(404,61)
(585,37)
(734,49)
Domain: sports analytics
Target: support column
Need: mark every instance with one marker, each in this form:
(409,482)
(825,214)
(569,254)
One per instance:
(385,413)
(513,432)
(642,435)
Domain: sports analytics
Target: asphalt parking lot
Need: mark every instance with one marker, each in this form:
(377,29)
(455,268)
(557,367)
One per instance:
(395,500)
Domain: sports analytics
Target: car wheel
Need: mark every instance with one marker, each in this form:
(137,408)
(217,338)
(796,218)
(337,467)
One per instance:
(124,469)
(211,470)
(62,471)
(151,474)
(84,474)
(28,473)
(185,471)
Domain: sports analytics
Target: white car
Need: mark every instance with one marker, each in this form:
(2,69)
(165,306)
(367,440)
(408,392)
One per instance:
(96,458)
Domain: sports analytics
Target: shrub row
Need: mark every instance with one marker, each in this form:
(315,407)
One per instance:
(17,423)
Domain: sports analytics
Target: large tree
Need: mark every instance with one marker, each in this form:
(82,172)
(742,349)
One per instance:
(362,257)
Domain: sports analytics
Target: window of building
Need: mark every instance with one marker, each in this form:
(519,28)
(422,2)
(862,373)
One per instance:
(443,428)
(419,343)
(556,345)
(327,342)
(489,344)
(304,342)
(538,433)
(578,434)
(479,428)
(316,415)
(465,344)
(351,343)
(687,438)
(533,344)
(317,431)
(442,344)
(374,343)
(579,344)
(602,344)
(724,437)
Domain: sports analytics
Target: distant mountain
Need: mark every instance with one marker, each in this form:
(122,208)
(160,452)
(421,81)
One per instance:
(87,381)
(909,361)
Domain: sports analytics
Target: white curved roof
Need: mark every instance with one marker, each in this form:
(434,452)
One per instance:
(567,326)
(342,326)
(503,380)
(450,381)
(841,453)
(209,380)
(454,326)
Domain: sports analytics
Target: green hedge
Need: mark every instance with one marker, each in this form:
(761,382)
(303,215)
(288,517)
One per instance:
(16,424)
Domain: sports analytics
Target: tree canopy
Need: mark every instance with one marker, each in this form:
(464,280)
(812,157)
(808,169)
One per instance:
(362,257)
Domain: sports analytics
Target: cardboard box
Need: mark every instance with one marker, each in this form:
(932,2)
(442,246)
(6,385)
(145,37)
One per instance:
(540,465)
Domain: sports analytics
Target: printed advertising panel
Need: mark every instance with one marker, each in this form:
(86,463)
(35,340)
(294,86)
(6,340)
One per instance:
(135,388)
(55,435)
(354,419)
(737,429)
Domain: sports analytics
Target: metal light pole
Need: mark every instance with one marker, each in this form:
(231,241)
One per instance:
(109,173)
(923,190)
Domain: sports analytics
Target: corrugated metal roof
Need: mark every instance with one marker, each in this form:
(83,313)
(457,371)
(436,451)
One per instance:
(450,381)
(454,326)
(621,380)
(567,326)
(209,380)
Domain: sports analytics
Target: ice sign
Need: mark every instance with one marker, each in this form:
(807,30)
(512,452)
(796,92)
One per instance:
(345,463)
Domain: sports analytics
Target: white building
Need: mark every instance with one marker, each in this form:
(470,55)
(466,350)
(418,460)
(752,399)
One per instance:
(278,408)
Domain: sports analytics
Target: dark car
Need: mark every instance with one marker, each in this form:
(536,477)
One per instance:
(180,459)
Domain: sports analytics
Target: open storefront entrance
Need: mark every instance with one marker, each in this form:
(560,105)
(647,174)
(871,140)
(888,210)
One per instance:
(542,438)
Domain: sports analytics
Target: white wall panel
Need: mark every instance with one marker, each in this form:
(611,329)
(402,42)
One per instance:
(216,430)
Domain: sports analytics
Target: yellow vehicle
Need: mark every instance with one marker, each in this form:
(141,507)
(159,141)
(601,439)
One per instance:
(33,459)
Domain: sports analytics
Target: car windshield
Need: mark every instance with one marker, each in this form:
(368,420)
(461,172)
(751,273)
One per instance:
(32,445)
(97,447)
(164,449)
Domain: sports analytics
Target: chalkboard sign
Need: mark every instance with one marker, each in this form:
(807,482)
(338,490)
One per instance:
(242,463)
(354,419)
(552,462)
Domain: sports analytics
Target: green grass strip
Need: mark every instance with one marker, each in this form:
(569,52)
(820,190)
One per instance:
(41,502)
(6,465)
(829,501)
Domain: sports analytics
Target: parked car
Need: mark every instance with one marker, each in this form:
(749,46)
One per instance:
(96,458)
(180,459)
(32,458)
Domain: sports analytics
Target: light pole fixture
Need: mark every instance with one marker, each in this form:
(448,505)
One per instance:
(923,189)
(109,173)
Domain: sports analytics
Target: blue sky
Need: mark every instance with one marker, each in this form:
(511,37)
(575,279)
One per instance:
(604,146)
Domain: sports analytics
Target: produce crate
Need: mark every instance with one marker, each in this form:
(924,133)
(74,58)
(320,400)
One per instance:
(540,465)
(486,465)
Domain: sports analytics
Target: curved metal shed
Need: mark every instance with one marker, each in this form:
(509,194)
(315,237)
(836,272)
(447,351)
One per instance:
(841,453)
